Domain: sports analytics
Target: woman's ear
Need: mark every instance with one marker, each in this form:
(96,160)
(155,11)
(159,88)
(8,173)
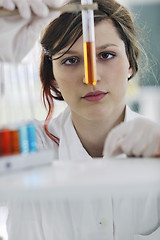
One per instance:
(130,72)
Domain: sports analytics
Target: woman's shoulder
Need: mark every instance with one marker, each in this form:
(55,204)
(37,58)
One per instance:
(62,116)
(55,125)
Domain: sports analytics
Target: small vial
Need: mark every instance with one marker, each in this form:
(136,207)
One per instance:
(89,44)
(15,143)
(6,146)
(0,143)
(32,137)
(23,137)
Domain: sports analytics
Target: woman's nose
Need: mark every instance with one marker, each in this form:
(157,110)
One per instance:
(88,81)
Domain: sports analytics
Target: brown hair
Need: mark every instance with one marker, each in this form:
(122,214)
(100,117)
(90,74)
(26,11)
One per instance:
(66,29)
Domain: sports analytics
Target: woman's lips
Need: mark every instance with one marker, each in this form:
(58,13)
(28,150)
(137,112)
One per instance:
(94,96)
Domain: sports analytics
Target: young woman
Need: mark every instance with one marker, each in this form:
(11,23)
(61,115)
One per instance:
(80,131)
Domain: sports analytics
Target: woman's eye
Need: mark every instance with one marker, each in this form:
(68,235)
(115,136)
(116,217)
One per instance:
(70,61)
(106,55)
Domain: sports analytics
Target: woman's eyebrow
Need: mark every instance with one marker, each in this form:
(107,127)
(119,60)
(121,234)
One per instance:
(106,46)
(63,52)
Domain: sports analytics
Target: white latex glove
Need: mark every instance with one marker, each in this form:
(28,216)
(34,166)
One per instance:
(38,7)
(18,35)
(139,137)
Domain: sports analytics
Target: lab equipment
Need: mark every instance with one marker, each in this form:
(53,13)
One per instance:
(18,145)
(89,44)
(15,141)
(6,142)
(24,142)
(5,133)
(17,130)
(31,137)
(25,161)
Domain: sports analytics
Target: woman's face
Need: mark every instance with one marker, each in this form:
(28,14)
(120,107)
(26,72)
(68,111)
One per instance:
(107,97)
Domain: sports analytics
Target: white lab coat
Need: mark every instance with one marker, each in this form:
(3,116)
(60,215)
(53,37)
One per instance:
(70,146)
(110,218)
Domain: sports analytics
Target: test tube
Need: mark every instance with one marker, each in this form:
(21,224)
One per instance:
(1,93)
(11,88)
(15,141)
(0,143)
(23,97)
(89,44)
(6,146)
(31,96)
(32,137)
(23,137)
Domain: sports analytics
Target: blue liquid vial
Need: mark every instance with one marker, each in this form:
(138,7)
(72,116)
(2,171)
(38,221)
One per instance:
(32,137)
(24,142)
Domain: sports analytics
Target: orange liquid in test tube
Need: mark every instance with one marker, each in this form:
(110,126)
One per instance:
(89,63)
(15,141)
(89,43)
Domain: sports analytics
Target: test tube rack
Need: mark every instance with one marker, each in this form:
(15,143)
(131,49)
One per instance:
(21,162)
(18,143)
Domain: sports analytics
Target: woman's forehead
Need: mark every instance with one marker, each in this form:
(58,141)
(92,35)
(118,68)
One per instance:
(106,35)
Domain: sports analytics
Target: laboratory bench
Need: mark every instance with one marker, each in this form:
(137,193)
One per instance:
(48,179)
(119,189)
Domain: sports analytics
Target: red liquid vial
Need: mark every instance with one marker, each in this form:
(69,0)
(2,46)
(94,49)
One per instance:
(6,142)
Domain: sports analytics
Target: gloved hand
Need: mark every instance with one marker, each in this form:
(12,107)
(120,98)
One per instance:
(139,137)
(39,7)
(19,32)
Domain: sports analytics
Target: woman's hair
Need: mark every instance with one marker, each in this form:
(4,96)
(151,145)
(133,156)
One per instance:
(65,31)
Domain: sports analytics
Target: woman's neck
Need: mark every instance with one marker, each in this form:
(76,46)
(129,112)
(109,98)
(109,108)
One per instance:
(92,133)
